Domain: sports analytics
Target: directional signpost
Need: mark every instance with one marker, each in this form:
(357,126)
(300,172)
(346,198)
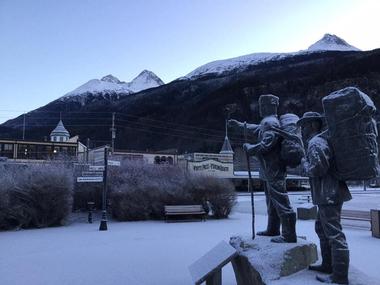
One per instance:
(113,163)
(96,167)
(103,222)
(90,179)
(96,174)
(92,173)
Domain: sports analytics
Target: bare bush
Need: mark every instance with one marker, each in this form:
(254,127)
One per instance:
(140,191)
(37,195)
(221,195)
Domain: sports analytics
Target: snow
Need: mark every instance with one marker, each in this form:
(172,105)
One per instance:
(221,66)
(348,90)
(211,260)
(332,42)
(306,277)
(266,258)
(327,43)
(289,119)
(146,79)
(152,252)
(110,84)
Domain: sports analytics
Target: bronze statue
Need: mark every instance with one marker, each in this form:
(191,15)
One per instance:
(328,193)
(267,149)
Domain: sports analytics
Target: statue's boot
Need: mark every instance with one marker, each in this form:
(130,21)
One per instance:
(321,268)
(325,267)
(273,228)
(288,229)
(340,264)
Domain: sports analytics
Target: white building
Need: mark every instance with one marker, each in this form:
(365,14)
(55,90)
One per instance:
(59,134)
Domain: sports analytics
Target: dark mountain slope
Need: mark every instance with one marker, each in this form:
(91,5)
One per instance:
(188,114)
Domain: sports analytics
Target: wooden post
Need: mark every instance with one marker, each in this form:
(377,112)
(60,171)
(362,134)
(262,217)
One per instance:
(215,279)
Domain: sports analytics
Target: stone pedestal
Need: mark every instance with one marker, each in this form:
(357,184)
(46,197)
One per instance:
(260,261)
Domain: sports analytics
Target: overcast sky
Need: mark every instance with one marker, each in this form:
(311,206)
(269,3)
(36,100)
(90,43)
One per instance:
(50,47)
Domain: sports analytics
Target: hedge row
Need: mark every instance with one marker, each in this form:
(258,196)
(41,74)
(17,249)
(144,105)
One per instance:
(41,195)
(35,195)
(140,191)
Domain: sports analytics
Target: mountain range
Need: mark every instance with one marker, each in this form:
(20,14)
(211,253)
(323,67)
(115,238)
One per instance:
(187,113)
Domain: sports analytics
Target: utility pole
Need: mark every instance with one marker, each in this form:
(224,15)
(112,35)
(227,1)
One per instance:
(113,133)
(88,149)
(23,129)
(103,222)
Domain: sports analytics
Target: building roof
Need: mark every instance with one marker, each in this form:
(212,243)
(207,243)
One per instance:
(60,130)
(226,148)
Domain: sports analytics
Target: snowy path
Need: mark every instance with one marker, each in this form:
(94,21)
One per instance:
(141,253)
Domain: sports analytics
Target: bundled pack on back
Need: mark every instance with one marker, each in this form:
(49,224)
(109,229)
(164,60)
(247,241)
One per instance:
(291,150)
(352,133)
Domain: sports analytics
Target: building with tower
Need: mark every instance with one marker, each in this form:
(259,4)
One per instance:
(60,146)
(59,134)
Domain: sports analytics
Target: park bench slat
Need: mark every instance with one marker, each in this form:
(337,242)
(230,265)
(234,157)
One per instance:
(356,215)
(174,210)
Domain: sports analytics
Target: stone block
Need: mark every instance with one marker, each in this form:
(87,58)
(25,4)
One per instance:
(307,212)
(260,261)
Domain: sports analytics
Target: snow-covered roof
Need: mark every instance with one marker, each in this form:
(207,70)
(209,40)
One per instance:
(60,130)
(226,148)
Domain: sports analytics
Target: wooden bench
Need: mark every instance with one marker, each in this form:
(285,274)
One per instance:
(184,211)
(209,267)
(356,215)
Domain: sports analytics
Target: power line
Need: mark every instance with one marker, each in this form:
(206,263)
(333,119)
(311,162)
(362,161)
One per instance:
(123,115)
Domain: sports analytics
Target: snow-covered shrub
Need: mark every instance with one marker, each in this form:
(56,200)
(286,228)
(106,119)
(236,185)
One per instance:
(37,195)
(220,194)
(140,191)
(7,212)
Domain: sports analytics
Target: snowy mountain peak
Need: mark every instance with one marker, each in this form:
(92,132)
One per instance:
(112,85)
(332,42)
(148,75)
(328,42)
(110,78)
(146,79)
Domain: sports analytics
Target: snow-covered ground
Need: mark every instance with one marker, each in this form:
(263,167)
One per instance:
(151,252)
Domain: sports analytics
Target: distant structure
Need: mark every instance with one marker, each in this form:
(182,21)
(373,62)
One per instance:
(60,145)
(226,148)
(59,134)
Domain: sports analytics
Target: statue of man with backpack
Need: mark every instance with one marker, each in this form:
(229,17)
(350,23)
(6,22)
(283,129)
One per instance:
(346,150)
(328,193)
(267,149)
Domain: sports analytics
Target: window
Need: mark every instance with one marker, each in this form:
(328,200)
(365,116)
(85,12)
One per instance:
(8,147)
(6,150)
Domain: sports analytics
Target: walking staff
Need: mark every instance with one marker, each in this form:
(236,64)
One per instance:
(250,183)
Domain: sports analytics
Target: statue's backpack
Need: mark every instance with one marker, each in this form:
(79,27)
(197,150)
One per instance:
(291,150)
(352,133)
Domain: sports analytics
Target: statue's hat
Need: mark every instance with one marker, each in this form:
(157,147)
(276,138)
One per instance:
(269,99)
(310,116)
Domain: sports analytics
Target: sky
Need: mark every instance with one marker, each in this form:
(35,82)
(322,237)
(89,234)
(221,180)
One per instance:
(50,47)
